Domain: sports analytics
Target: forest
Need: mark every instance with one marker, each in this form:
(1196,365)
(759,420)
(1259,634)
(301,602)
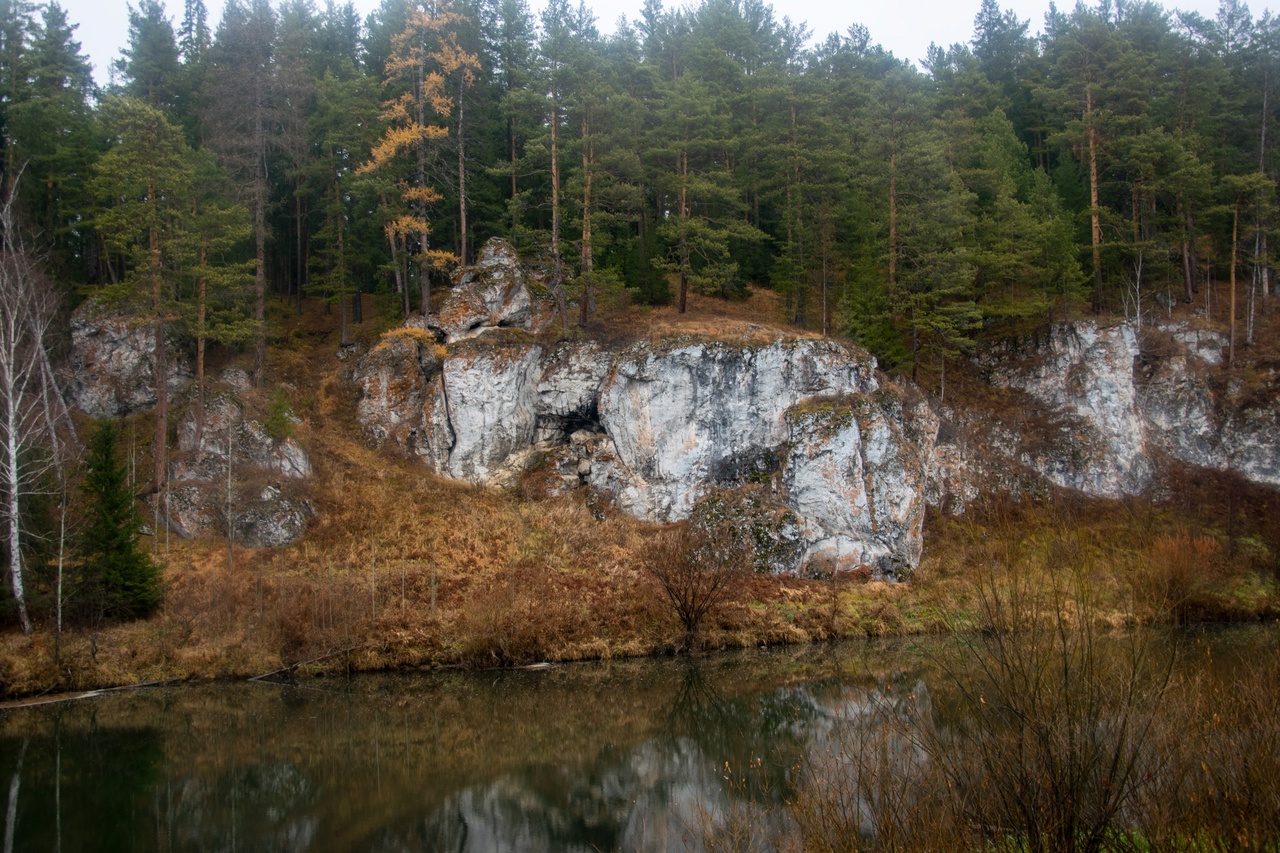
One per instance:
(1119,161)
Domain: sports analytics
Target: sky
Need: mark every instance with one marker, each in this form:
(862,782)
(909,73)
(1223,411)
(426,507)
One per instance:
(905,27)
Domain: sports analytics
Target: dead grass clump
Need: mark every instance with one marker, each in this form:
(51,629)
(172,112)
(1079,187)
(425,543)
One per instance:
(1214,769)
(1182,575)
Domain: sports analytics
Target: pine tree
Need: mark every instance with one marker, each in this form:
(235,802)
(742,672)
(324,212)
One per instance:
(149,65)
(120,577)
(243,117)
(148,177)
(56,141)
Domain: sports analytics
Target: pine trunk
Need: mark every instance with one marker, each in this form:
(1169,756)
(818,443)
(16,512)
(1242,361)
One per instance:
(159,353)
(1095,224)
(588,265)
(684,223)
(1231,323)
(424,236)
(893,223)
(555,186)
(462,171)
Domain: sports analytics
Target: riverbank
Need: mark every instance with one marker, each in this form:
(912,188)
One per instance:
(772,745)
(412,572)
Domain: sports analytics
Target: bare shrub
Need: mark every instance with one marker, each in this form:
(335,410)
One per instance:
(1058,718)
(1181,574)
(698,568)
(1215,768)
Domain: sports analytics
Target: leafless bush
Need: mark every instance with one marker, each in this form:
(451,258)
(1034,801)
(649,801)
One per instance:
(1182,574)
(1214,770)
(1057,719)
(698,567)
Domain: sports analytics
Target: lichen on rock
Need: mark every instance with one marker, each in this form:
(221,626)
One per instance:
(113,366)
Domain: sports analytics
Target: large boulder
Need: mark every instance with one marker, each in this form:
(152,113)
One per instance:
(490,294)
(399,382)
(857,482)
(112,370)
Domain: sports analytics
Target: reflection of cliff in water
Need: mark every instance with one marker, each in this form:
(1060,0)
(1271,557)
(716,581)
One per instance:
(667,791)
(632,755)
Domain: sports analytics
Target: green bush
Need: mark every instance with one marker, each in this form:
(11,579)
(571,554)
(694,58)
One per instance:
(279,418)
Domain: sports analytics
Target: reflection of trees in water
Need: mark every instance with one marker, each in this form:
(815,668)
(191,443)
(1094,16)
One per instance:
(80,788)
(657,795)
(760,737)
(633,758)
(863,765)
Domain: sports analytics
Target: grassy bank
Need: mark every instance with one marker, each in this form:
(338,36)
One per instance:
(412,571)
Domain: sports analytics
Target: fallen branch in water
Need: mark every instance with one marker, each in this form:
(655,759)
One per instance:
(44,699)
(293,666)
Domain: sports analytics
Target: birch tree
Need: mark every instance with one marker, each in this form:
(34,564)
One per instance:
(31,410)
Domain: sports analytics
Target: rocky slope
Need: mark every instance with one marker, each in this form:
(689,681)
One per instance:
(848,460)
(823,463)
(113,375)
(1116,406)
(658,426)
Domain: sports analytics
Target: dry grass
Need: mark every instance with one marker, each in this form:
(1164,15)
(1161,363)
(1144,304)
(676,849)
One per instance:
(758,318)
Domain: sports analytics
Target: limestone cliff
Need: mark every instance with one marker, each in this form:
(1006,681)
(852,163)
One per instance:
(847,461)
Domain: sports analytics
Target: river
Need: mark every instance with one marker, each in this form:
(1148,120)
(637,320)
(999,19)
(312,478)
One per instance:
(645,755)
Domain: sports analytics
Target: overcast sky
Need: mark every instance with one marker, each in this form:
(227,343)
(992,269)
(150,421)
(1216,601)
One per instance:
(906,27)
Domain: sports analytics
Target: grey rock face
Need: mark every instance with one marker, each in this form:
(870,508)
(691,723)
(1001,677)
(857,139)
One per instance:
(491,397)
(858,484)
(113,364)
(1179,412)
(1102,413)
(488,295)
(260,516)
(712,414)
(657,428)
(272,520)
(398,380)
(1083,374)
(569,390)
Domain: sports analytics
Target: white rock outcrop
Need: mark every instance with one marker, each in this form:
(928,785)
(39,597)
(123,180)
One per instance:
(1084,375)
(795,438)
(1108,413)
(857,483)
(490,294)
(658,427)
(261,517)
(703,414)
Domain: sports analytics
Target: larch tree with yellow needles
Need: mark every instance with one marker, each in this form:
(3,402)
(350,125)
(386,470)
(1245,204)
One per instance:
(424,56)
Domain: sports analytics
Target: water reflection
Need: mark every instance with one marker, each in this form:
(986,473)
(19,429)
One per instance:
(647,755)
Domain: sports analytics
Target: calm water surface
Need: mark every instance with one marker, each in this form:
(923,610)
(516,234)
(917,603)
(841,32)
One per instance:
(629,755)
